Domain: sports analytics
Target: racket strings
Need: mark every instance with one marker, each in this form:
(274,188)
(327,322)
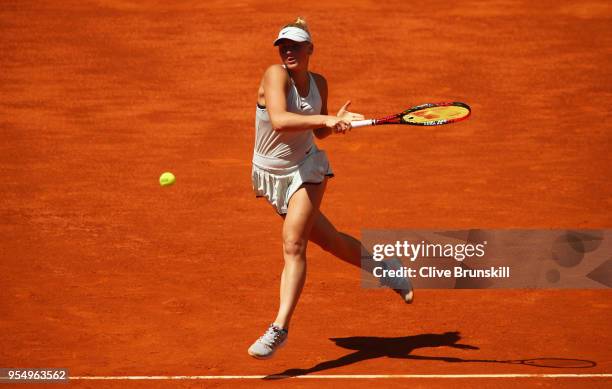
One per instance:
(434,114)
(430,114)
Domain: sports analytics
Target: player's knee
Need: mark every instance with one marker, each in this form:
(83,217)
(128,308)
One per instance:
(294,246)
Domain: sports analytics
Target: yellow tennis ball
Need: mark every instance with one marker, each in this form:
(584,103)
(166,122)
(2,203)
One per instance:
(166,179)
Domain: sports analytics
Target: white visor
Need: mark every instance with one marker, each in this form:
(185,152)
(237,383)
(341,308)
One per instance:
(293,33)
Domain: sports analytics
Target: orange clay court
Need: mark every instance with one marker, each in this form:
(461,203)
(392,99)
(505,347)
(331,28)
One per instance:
(108,274)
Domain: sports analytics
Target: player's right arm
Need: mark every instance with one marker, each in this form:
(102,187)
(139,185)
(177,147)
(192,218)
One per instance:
(275,81)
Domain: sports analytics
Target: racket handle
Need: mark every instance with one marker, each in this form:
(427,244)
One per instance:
(363,123)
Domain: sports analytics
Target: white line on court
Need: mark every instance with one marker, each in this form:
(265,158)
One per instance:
(342,376)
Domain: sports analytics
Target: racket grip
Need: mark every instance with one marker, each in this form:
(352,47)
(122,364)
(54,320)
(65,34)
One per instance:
(362,123)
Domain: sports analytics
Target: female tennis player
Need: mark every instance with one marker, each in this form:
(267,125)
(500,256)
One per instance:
(291,172)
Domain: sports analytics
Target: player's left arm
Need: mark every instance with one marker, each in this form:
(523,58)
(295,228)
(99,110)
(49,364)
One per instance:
(322,132)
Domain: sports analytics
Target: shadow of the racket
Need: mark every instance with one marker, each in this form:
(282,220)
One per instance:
(559,363)
(555,363)
(548,362)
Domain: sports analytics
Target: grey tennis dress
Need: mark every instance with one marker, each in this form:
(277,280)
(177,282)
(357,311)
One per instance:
(283,161)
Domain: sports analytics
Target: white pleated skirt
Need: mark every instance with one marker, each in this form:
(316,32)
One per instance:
(278,185)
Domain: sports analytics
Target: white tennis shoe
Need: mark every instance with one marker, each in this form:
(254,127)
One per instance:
(265,347)
(400,285)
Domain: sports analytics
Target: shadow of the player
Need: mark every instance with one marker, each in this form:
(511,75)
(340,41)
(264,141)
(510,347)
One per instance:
(370,347)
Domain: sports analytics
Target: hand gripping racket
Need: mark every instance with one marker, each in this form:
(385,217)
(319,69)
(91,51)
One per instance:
(432,114)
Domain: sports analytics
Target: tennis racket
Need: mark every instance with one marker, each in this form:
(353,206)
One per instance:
(432,114)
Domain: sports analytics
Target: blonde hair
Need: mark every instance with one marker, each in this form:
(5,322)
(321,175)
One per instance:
(299,23)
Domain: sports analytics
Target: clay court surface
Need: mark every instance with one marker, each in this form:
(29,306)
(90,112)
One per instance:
(108,274)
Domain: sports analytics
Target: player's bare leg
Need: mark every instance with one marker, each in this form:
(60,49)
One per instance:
(301,214)
(348,249)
